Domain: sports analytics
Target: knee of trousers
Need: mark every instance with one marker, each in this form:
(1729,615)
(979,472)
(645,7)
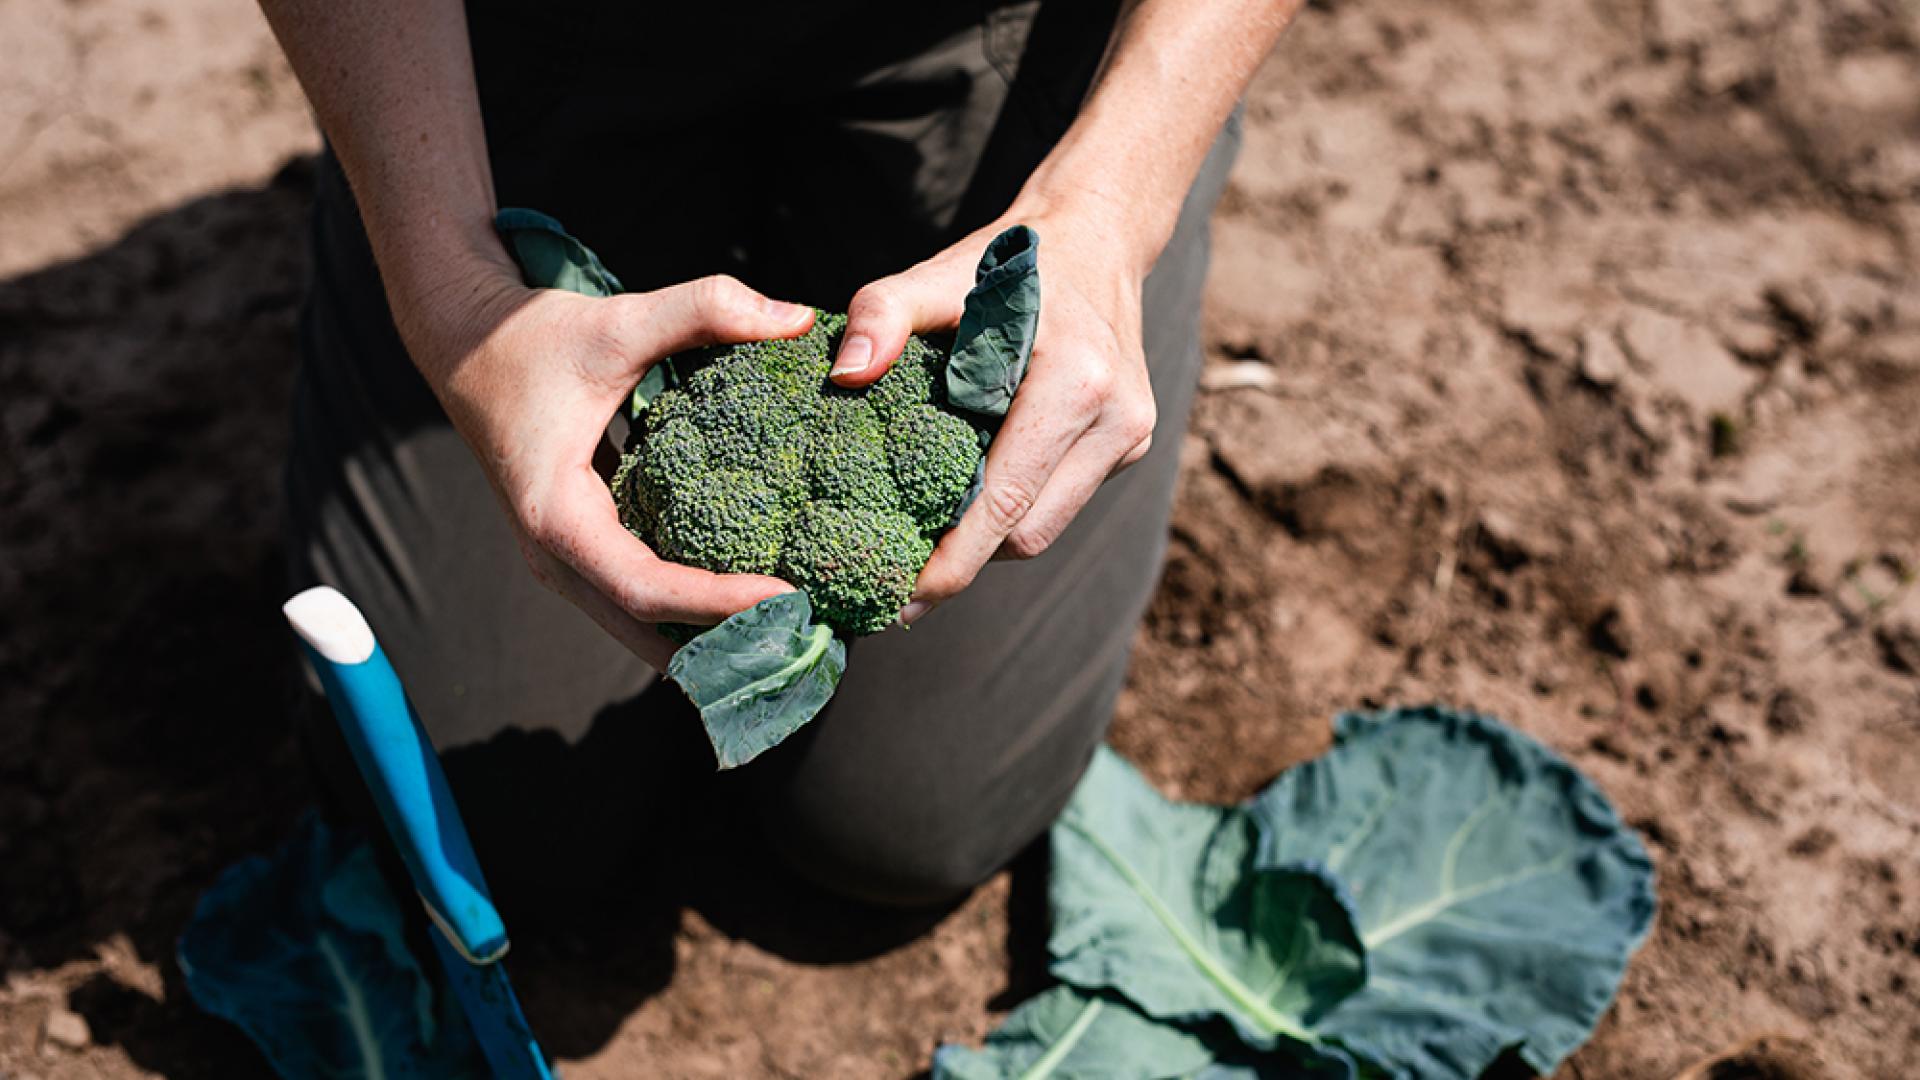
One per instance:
(903,837)
(863,859)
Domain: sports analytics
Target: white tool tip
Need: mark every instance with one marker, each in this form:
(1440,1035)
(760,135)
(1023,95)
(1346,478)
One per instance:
(328,621)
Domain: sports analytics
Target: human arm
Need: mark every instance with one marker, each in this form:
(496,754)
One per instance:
(528,377)
(1104,202)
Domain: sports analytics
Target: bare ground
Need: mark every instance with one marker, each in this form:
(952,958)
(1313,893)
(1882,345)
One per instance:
(1565,360)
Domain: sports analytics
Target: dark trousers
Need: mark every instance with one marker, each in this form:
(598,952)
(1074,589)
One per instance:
(823,161)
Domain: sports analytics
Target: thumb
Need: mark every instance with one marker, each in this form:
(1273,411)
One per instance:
(927,297)
(718,310)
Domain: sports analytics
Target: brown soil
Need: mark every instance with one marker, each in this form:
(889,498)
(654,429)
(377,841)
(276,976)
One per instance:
(1565,361)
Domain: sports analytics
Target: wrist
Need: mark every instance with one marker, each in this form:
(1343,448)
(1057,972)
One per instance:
(446,292)
(1080,213)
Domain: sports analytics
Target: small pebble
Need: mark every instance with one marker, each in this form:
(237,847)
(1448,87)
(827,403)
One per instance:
(66,1028)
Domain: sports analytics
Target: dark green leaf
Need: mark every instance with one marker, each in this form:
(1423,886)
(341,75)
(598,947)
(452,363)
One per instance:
(306,952)
(1243,1064)
(760,675)
(650,387)
(1163,902)
(997,326)
(551,259)
(1497,893)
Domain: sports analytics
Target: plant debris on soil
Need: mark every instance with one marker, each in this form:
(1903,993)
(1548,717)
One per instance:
(1564,360)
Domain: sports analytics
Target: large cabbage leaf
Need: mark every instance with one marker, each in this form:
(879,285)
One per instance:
(1164,903)
(1434,893)
(1497,893)
(306,952)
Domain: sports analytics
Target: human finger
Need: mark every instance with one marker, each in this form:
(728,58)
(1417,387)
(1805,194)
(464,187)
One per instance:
(881,316)
(717,310)
(641,639)
(1048,417)
(1106,449)
(582,530)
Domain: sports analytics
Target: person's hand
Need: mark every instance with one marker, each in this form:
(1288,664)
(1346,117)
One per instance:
(530,379)
(1084,411)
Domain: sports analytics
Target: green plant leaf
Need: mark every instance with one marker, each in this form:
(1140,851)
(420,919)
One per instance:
(1497,893)
(998,324)
(550,258)
(760,675)
(1067,1034)
(1164,903)
(305,950)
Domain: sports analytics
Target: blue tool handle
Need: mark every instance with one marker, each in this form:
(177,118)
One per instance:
(506,1040)
(404,775)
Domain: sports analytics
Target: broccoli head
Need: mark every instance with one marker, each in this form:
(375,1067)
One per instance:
(755,463)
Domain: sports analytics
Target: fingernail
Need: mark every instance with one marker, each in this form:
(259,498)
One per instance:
(856,355)
(782,310)
(912,612)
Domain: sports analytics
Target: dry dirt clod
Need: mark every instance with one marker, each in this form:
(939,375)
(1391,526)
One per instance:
(1790,712)
(1899,632)
(1750,339)
(1601,361)
(1504,538)
(1800,308)
(1617,630)
(66,1029)
(1761,484)
(1768,1057)
(1686,360)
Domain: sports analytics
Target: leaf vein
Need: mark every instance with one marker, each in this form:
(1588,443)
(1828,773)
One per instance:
(1235,990)
(1419,913)
(1044,1065)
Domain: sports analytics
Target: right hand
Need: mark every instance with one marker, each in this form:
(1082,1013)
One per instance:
(530,379)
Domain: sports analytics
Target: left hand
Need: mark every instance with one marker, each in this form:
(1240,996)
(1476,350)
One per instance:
(1084,411)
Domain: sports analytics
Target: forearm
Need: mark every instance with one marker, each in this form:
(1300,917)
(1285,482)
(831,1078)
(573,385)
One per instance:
(1173,74)
(393,87)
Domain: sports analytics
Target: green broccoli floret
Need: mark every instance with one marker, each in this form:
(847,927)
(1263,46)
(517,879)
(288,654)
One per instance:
(847,461)
(856,564)
(917,378)
(934,456)
(800,362)
(729,521)
(755,463)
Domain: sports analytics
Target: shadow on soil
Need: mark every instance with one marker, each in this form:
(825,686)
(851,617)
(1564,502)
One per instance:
(148,688)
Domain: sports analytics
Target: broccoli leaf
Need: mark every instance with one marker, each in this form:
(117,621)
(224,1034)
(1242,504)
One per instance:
(1163,902)
(760,675)
(997,326)
(1497,893)
(305,951)
(1067,1034)
(549,258)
